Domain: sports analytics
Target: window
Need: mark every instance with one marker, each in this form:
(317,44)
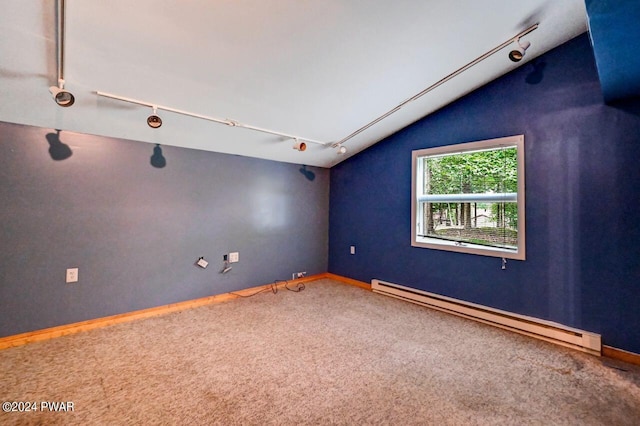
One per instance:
(469,198)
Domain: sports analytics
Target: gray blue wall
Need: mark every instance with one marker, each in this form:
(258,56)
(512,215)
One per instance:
(135,231)
(582,201)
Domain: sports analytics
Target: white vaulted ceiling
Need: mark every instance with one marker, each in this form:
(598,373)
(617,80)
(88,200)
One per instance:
(315,69)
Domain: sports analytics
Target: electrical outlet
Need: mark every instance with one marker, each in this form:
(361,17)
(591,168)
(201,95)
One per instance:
(72,275)
(234,257)
(352,250)
(299,275)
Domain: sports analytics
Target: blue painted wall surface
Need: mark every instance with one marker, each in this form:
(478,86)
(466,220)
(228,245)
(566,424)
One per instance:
(615,36)
(135,231)
(582,214)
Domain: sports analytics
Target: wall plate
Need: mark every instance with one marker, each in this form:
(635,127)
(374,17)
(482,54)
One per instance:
(72,275)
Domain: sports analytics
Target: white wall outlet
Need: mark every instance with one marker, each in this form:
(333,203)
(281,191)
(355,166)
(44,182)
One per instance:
(301,274)
(202,263)
(234,257)
(72,275)
(352,250)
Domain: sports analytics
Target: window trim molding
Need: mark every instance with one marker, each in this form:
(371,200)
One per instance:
(469,248)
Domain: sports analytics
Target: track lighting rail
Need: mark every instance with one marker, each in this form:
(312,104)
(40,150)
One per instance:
(339,144)
(61,10)
(62,97)
(437,84)
(227,121)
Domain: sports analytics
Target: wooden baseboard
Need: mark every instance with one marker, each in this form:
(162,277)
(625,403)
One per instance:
(622,355)
(64,330)
(349,281)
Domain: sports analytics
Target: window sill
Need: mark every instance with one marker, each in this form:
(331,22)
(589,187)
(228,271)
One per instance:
(436,244)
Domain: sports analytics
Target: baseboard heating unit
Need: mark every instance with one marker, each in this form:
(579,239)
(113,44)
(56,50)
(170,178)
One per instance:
(530,326)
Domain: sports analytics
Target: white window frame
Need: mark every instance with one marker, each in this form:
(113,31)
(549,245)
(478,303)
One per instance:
(417,181)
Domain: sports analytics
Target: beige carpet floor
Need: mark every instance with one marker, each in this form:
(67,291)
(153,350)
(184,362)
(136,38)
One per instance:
(331,354)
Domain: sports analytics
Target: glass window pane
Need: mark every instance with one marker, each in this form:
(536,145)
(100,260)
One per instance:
(470,197)
(486,224)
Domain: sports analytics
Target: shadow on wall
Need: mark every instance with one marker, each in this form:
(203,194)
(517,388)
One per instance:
(157,159)
(307,173)
(537,75)
(59,151)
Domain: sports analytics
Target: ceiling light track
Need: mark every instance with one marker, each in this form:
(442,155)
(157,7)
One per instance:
(515,39)
(226,121)
(61,33)
(154,120)
(62,97)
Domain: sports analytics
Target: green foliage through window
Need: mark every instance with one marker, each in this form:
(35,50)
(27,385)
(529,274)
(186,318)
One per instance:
(468,194)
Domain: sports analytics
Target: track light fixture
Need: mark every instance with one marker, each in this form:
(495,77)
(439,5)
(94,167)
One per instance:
(154,121)
(442,81)
(517,54)
(62,97)
(299,146)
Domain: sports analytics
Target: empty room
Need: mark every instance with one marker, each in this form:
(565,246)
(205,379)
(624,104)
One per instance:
(338,212)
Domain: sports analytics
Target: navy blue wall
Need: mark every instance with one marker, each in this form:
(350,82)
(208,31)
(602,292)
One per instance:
(582,213)
(613,25)
(135,231)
